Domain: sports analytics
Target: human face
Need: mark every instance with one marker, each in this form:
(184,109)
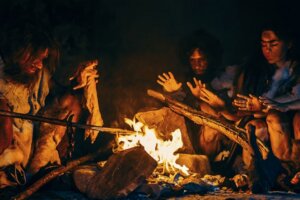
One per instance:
(32,66)
(198,62)
(273,49)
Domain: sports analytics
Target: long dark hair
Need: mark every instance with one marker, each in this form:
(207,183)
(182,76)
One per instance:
(27,39)
(207,44)
(257,72)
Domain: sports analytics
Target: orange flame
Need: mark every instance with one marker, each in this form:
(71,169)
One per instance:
(161,151)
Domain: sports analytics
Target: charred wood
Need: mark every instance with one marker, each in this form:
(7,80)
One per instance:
(122,173)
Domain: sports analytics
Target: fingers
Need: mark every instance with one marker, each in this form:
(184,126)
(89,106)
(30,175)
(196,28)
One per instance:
(190,85)
(265,100)
(84,78)
(204,99)
(85,70)
(171,75)
(166,76)
(268,103)
(207,92)
(252,96)
(160,82)
(239,103)
(161,78)
(261,98)
(243,96)
(197,84)
(86,82)
(179,84)
(79,86)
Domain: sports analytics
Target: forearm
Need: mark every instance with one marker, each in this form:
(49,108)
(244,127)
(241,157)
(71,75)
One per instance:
(293,105)
(229,115)
(287,98)
(6,130)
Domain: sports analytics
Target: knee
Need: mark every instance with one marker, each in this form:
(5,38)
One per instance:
(274,117)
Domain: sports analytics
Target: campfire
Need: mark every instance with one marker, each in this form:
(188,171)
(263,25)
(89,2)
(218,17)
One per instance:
(156,159)
(161,151)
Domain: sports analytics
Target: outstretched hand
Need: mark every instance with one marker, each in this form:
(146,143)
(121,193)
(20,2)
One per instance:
(85,73)
(169,83)
(247,103)
(272,104)
(211,98)
(196,91)
(201,92)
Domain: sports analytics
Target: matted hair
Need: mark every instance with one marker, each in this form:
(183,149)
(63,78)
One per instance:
(28,39)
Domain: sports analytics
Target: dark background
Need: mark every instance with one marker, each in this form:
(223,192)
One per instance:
(135,40)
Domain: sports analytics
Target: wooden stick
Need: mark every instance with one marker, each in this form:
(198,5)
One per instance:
(234,133)
(57,172)
(66,123)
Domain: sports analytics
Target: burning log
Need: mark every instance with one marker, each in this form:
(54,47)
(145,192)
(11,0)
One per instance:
(234,133)
(122,173)
(57,172)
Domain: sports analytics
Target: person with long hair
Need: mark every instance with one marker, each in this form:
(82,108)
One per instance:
(205,78)
(273,74)
(29,56)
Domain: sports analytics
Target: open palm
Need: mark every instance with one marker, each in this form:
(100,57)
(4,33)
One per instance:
(169,83)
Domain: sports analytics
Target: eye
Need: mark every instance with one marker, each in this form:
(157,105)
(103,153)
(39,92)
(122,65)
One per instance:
(274,44)
(263,44)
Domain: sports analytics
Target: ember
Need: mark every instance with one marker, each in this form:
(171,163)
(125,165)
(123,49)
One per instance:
(162,151)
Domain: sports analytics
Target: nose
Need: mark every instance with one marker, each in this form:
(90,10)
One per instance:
(268,48)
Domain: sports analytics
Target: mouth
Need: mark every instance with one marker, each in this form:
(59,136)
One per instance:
(268,57)
(199,70)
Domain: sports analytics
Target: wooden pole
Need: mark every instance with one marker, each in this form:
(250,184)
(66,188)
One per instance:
(66,123)
(234,133)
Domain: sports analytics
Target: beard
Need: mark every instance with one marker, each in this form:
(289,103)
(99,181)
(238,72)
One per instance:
(16,74)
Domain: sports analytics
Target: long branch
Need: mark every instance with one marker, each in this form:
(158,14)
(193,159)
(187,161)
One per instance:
(66,123)
(234,133)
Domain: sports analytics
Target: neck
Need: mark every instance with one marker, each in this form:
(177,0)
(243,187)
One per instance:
(283,63)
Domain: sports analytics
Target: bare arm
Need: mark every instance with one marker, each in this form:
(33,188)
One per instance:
(283,107)
(6,131)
